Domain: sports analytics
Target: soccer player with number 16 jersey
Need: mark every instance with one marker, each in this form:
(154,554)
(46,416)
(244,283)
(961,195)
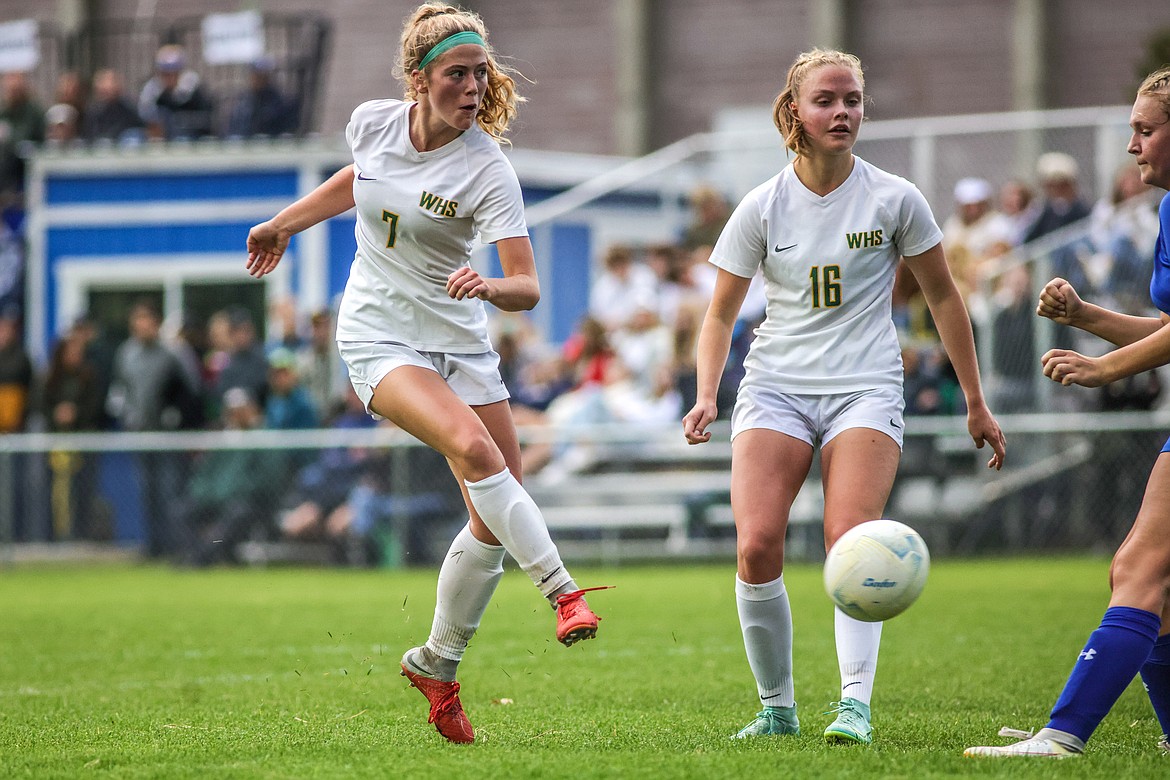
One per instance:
(825,368)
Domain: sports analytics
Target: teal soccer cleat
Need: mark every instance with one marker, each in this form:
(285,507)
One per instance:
(852,723)
(771,721)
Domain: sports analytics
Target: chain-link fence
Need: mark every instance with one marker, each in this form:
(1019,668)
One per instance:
(359,497)
(379,497)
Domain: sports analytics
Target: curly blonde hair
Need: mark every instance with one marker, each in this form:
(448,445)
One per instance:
(1157,84)
(430,24)
(786,120)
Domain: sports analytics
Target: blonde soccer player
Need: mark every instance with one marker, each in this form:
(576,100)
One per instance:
(825,367)
(1134,634)
(427,177)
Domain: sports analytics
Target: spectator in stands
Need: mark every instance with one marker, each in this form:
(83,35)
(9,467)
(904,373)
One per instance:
(677,286)
(71,398)
(709,213)
(974,233)
(22,122)
(1124,231)
(412,326)
(822,373)
(288,406)
(701,273)
(1020,207)
(533,371)
(588,354)
(623,284)
(16,374)
(11,269)
(1012,384)
(173,103)
(99,353)
(1131,638)
(148,393)
(262,109)
(110,116)
(323,485)
(245,365)
(219,348)
(320,366)
(71,90)
(232,493)
(645,348)
(1062,204)
(920,386)
(391,517)
(61,124)
(72,401)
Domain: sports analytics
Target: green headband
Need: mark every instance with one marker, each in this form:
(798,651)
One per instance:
(450,42)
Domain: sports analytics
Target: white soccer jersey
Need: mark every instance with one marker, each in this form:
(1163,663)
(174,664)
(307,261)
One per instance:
(828,268)
(417,215)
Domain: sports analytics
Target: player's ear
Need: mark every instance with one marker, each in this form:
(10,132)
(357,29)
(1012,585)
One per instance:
(419,79)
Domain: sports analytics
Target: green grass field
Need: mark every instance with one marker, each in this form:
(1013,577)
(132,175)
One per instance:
(137,671)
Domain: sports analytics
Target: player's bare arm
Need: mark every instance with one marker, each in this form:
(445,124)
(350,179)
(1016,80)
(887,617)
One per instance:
(713,348)
(1060,303)
(1072,368)
(518,290)
(954,328)
(268,240)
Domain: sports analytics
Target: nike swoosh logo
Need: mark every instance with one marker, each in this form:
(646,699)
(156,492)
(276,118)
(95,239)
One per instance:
(546,577)
(855,682)
(778,247)
(894,423)
(773,696)
(364,178)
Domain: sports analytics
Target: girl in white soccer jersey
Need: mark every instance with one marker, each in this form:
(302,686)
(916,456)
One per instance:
(428,175)
(824,369)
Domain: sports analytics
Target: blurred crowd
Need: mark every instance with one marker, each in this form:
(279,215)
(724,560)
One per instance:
(1111,264)
(218,375)
(631,359)
(173,104)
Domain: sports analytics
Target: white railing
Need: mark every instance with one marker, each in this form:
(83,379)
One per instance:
(673,496)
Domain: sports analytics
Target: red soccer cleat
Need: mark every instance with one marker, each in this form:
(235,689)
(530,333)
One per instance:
(575,620)
(446,710)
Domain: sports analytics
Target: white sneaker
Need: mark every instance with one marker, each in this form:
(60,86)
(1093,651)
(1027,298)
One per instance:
(1036,747)
(1164,743)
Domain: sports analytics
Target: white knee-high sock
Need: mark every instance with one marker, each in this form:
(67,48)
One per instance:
(513,518)
(857,653)
(467,580)
(766,621)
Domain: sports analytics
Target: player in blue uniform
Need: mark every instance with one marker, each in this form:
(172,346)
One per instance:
(1134,635)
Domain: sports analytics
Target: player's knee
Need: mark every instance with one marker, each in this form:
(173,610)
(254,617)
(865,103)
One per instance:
(1140,567)
(759,551)
(476,455)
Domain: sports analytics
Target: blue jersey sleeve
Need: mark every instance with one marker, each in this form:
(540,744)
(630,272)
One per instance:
(1160,283)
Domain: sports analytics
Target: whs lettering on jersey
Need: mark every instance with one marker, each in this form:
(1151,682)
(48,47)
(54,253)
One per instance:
(440,206)
(864,240)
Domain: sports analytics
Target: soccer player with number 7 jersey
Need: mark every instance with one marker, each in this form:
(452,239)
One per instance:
(825,367)
(428,176)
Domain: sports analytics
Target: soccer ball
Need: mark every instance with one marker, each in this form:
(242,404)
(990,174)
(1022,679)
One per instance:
(876,570)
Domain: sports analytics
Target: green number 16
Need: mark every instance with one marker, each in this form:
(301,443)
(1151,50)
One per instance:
(825,285)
